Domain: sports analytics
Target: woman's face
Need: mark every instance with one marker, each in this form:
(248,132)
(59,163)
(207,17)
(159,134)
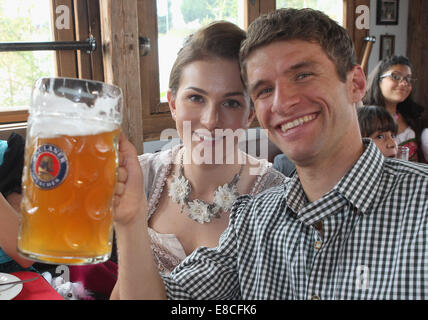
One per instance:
(395,91)
(211,106)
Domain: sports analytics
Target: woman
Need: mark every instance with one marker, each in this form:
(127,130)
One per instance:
(390,86)
(191,188)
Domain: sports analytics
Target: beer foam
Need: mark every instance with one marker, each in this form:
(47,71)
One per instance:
(52,116)
(50,126)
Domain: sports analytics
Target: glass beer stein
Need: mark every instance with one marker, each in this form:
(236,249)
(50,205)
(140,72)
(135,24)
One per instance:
(71,160)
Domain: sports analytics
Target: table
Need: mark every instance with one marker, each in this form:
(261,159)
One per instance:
(38,289)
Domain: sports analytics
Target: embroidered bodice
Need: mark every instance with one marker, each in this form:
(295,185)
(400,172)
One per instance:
(167,249)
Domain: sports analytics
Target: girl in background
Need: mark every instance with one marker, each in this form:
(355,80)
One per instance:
(378,124)
(390,85)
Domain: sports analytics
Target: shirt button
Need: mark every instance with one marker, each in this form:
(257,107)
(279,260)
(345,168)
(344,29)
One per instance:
(317,245)
(315,297)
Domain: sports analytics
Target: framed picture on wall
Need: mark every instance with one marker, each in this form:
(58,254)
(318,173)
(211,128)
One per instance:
(387,12)
(387,44)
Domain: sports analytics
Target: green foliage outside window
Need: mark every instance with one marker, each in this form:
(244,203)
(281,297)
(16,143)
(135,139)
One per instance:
(20,69)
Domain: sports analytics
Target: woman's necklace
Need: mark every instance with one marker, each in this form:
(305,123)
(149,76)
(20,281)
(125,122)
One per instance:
(199,210)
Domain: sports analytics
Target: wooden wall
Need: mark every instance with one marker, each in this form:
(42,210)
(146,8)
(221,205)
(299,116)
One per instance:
(417,48)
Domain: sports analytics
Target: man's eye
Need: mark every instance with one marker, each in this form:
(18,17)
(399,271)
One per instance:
(303,75)
(264,92)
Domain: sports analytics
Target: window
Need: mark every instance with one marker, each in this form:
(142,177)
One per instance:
(167,23)
(44,21)
(178,19)
(23,21)
(333,8)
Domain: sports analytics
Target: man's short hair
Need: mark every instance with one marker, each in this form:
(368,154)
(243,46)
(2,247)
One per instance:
(301,24)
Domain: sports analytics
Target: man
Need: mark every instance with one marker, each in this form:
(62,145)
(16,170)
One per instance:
(350,225)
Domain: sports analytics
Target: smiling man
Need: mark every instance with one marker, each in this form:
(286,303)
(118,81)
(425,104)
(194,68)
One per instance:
(351,224)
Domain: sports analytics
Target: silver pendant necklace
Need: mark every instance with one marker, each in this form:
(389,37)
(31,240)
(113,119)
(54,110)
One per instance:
(199,210)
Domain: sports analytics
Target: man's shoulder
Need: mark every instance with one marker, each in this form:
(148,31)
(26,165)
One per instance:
(410,169)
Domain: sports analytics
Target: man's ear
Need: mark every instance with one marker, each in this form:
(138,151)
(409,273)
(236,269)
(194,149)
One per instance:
(171,103)
(357,84)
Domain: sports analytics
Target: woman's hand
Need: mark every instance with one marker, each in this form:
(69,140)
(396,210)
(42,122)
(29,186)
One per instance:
(129,198)
(138,274)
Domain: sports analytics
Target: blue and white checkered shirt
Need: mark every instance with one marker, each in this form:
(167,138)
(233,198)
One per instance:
(373,244)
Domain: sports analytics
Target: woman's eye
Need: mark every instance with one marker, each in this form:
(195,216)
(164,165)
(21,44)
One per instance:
(196,98)
(396,77)
(379,136)
(231,104)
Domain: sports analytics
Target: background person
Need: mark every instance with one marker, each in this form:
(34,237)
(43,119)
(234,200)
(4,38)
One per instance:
(11,164)
(379,125)
(390,85)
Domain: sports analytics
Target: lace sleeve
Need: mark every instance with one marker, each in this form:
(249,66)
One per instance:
(146,164)
(268,178)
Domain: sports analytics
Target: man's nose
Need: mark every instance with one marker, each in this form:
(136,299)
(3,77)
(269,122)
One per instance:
(285,97)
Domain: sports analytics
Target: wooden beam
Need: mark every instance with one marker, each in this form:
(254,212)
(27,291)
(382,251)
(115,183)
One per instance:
(95,31)
(83,59)
(251,11)
(10,114)
(87,21)
(417,50)
(65,60)
(149,77)
(357,35)
(119,32)
(267,6)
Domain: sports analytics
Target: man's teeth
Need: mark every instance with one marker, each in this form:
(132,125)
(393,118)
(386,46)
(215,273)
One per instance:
(297,122)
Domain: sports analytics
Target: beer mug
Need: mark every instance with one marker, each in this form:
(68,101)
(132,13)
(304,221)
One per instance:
(69,176)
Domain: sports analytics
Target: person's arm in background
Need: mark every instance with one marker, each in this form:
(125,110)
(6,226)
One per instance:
(9,226)
(11,164)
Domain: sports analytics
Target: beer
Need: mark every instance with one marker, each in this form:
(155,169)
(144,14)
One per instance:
(68,186)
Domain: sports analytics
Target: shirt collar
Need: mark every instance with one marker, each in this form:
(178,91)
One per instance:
(358,186)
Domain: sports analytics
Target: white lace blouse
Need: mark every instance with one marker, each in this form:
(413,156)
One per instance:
(167,249)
